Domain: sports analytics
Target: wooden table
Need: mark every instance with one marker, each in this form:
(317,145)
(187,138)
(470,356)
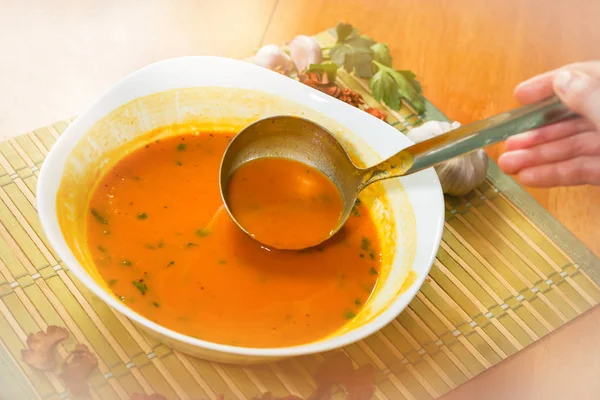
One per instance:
(59,55)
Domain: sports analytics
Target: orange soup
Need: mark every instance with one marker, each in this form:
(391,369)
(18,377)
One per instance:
(165,245)
(284,203)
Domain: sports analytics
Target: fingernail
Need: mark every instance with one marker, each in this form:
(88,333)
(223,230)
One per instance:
(573,81)
(562,80)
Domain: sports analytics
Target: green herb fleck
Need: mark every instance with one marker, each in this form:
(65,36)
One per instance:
(171,263)
(137,178)
(222,262)
(349,315)
(181,146)
(357,301)
(191,244)
(362,255)
(372,255)
(98,217)
(141,286)
(155,304)
(160,245)
(365,244)
(203,232)
(373,271)
(342,280)
(112,282)
(179,164)
(355,208)
(101,249)
(142,216)
(126,263)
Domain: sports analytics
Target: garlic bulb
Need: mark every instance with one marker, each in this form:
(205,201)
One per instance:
(459,175)
(274,58)
(305,50)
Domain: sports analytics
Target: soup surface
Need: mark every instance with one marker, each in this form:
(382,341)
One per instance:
(165,245)
(284,203)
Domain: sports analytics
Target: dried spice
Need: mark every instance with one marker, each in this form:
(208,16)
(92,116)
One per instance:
(350,96)
(377,113)
(317,80)
(321,81)
(325,68)
(337,371)
(41,347)
(77,368)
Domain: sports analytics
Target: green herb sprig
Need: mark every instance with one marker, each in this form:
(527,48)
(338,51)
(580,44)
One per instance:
(367,58)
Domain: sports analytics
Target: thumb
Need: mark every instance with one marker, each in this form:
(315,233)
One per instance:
(580,92)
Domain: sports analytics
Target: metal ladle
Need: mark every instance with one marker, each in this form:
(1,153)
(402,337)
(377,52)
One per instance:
(305,141)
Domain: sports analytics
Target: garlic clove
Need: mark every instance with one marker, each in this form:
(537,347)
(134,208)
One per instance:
(480,162)
(459,175)
(305,50)
(274,58)
(428,130)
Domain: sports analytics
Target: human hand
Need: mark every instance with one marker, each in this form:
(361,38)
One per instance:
(566,153)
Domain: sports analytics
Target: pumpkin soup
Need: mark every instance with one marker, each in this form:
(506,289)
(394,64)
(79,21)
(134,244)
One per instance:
(164,244)
(284,203)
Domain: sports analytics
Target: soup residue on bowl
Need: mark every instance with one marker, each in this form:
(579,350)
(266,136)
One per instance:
(163,242)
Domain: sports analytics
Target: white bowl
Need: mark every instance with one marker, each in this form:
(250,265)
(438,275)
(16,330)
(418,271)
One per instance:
(219,93)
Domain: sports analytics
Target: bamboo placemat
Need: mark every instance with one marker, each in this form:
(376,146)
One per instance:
(506,275)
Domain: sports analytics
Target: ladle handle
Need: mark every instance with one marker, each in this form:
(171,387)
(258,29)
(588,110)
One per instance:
(468,138)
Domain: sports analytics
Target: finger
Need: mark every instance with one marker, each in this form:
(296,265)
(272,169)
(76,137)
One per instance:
(576,171)
(540,87)
(548,134)
(581,144)
(580,92)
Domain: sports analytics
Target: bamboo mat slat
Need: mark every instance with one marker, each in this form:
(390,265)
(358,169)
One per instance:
(506,275)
